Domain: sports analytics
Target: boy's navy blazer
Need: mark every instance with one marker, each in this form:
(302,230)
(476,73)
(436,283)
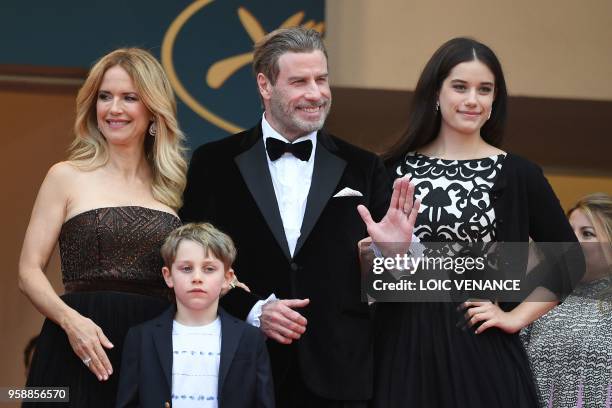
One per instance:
(145,379)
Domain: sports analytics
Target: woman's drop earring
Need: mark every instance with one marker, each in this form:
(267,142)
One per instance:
(153,129)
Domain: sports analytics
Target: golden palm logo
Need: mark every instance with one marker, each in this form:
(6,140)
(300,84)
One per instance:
(219,72)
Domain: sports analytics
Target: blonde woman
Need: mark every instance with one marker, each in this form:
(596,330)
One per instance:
(110,206)
(570,348)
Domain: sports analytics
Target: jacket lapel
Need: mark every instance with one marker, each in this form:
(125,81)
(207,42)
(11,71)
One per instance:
(231,332)
(253,166)
(328,169)
(163,342)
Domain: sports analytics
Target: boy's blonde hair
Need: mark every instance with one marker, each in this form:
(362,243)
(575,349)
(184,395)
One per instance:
(212,240)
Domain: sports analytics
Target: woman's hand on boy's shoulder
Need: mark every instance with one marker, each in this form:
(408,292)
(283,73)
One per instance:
(235,283)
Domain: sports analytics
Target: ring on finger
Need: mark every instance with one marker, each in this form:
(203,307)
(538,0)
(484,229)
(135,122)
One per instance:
(87,361)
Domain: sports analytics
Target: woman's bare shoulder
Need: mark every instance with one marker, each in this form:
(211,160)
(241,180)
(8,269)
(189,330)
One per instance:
(65,171)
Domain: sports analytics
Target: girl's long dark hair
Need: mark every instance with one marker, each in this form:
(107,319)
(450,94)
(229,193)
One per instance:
(424,119)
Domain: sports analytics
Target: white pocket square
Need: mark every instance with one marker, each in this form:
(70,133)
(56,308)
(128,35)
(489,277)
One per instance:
(348,192)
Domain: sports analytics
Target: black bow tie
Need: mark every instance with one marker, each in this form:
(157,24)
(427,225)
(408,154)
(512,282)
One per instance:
(276,148)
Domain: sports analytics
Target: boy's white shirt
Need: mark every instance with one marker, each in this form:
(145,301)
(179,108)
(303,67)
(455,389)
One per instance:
(196,354)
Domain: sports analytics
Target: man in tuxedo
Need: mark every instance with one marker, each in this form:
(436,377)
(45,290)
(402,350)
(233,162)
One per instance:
(287,193)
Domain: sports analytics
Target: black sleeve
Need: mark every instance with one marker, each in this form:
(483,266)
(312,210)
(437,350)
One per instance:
(563,265)
(547,221)
(198,206)
(128,391)
(381,191)
(239,302)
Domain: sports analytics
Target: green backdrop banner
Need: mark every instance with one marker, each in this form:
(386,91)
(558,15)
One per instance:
(205,46)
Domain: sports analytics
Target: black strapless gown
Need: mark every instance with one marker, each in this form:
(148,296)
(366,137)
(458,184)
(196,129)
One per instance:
(111,269)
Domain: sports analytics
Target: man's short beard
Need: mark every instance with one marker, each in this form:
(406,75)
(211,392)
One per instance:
(309,127)
(291,123)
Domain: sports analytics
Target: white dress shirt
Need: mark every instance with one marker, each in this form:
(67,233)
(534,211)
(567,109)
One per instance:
(291,178)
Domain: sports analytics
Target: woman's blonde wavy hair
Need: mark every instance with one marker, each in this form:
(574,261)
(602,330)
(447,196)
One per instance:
(597,207)
(165,152)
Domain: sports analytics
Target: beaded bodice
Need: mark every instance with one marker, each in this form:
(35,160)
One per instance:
(118,244)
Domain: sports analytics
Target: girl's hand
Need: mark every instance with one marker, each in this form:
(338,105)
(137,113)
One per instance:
(490,315)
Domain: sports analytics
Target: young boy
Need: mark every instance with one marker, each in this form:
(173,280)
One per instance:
(195,354)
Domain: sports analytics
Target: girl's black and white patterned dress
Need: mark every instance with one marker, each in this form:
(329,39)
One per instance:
(423,358)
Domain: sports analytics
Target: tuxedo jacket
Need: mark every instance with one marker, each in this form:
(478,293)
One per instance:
(245,379)
(229,185)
